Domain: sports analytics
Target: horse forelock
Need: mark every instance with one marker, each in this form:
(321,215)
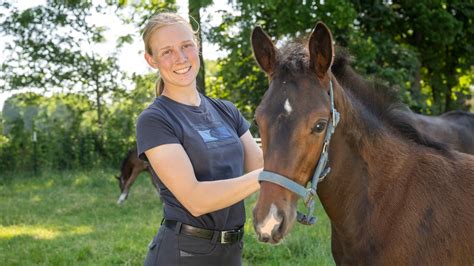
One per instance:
(293,58)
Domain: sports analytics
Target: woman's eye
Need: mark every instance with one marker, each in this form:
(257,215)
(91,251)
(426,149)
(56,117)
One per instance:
(319,127)
(188,46)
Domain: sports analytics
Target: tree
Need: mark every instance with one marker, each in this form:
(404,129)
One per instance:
(439,34)
(194,9)
(423,48)
(64,126)
(53,49)
(239,78)
(124,110)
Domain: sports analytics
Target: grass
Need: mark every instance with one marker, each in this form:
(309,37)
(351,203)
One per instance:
(71,218)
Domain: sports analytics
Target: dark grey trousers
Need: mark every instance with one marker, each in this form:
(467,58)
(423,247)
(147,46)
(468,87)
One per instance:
(170,248)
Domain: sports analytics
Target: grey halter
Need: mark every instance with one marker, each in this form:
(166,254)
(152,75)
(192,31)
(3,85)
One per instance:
(322,169)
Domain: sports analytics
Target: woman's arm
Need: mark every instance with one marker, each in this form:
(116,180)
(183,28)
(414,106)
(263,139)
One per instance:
(172,165)
(253,156)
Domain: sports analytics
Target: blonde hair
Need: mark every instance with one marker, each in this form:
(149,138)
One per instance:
(156,22)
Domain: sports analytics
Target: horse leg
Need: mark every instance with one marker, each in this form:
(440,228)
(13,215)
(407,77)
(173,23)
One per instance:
(127,186)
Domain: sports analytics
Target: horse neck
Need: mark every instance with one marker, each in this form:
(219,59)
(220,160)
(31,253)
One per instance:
(360,165)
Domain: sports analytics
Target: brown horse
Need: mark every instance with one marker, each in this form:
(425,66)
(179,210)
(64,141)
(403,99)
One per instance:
(454,128)
(132,166)
(393,195)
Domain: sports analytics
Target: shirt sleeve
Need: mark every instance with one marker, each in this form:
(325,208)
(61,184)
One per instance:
(153,130)
(240,123)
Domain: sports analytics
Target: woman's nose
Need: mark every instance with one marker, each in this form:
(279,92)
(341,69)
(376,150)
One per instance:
(181,57)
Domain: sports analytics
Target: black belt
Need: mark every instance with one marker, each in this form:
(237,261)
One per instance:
(223,237)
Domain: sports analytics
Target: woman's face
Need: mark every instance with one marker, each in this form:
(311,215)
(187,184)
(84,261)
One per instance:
(176,55)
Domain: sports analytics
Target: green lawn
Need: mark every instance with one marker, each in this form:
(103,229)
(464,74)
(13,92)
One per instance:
(72,218)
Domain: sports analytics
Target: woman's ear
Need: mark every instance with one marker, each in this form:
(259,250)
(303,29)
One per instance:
(151,62)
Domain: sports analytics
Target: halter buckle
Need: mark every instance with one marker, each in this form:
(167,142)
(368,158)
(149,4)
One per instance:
(324,174)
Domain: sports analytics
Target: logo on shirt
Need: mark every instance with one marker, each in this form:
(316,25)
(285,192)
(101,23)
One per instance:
(214,134)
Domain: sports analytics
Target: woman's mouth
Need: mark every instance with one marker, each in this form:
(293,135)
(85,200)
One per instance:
(182,70)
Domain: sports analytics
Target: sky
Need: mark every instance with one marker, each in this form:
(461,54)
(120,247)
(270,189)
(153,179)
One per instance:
(131,56)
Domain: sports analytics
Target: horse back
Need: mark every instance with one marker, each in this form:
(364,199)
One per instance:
(454,128)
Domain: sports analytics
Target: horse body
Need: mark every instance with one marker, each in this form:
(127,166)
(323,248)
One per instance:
(455,128)
(395,196)
(401,204)
(132,166)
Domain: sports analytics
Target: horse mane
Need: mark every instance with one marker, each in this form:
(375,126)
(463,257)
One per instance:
(380,100)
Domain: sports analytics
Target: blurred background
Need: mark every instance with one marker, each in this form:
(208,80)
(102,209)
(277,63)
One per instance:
(73,78)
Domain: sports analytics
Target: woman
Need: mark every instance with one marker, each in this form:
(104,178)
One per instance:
(200,149)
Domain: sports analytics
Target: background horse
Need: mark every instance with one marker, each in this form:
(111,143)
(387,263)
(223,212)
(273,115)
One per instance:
(393,196)
(454,128)
(132,166)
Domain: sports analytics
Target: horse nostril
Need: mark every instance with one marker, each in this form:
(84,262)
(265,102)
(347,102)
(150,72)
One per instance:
(282,222)
(264,238)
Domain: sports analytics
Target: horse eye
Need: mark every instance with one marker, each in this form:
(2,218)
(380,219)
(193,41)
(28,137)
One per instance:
(319,127)
(255,122)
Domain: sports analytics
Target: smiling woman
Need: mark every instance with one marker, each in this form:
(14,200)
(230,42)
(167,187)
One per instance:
(199,149)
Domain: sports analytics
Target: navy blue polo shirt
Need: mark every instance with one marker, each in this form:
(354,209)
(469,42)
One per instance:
(210,134)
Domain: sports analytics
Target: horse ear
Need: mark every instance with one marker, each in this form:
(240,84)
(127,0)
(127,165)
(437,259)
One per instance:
(263,50)
(321,50)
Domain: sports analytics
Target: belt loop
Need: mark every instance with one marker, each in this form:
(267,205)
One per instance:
(177,229)
(216,237)
(162,221)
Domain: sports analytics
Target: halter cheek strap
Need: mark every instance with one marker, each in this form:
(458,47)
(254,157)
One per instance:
(322,170)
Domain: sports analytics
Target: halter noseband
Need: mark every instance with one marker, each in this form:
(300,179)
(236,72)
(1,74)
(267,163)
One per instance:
(322,169)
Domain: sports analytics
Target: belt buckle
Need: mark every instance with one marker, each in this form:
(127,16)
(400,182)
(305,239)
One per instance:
(229,233)
(223,240)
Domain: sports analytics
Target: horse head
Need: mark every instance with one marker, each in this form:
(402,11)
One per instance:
(292,118)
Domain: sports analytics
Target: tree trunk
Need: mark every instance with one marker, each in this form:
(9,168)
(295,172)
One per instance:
(194,8)
(450,79)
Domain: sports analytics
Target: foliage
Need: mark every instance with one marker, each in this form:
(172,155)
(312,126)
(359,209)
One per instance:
(435,48)
(239,78)
(423,49)
(119,129)
(65,139)
(53,47)
(66,131)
